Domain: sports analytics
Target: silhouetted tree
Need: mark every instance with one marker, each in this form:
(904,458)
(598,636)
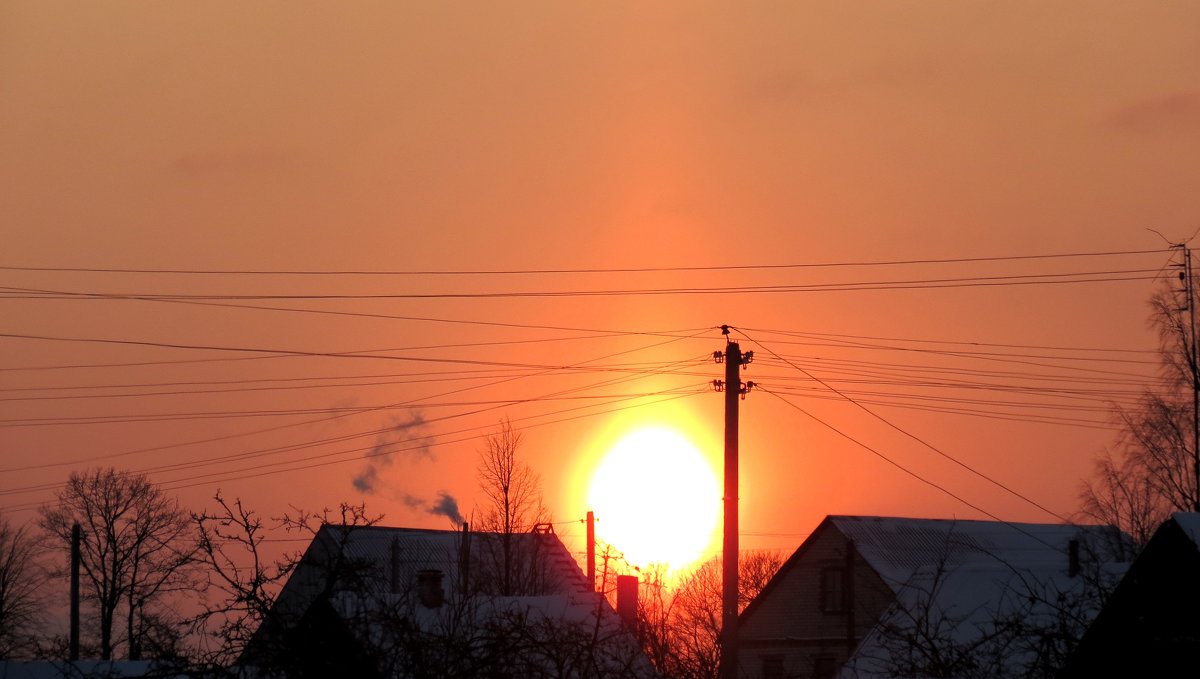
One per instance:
(21,579)
(1151,473)
(1026,628)
(512,500)
(135,546)
(243,583)
(682,625)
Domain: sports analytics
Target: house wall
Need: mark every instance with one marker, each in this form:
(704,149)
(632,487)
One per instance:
(786,632)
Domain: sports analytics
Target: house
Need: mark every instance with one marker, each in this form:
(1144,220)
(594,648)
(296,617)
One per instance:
(878,596)
(89,669)
(1150,626)
(382,602)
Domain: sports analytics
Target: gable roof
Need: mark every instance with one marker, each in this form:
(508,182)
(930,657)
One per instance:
(959,580)
(421,549)
(1189,522)
(363,588)
(896,548)
(1148,626)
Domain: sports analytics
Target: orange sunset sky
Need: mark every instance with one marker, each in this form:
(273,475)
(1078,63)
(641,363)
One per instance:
(244,244)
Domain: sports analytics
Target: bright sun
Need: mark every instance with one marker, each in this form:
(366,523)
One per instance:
(656,499)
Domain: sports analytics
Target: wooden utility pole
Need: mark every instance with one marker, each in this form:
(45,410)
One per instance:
(76,541)
(591,549)
(1195,370)
(734,391)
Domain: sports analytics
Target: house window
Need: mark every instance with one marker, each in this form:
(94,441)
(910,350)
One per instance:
(833,590)
(824,667)
(772,667)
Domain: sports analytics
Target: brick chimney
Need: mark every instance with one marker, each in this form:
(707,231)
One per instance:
(395,565)
(627,600)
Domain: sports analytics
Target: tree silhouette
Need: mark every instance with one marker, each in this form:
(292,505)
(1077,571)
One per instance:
(21,579)
(135,546)
(512,502)
(1151,473)
(681,626)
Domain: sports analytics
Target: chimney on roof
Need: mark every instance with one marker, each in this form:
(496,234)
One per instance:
(395,565)
(1073,558)
(464,560)
(429,588)
(627,600)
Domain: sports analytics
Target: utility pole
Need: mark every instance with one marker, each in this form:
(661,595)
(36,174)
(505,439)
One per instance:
(1195,370)
(591,549)
(735,390)
(1189,338)
(76,541)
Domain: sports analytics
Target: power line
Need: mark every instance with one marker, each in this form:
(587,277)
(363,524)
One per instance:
(876,338)
(376,408)
(237,475)
(916,438)
(519,272)
(854,286)
(906,470)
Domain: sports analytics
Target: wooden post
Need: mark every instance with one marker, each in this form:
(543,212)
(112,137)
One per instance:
(591,549)
(729,552)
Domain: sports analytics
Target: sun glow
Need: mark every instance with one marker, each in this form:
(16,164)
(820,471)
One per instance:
(656,499)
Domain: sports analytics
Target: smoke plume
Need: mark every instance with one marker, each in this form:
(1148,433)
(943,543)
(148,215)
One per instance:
(446,506)
(400,436)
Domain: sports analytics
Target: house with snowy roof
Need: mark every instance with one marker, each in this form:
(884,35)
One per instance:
(881,597)
(1150,626)
(383,602)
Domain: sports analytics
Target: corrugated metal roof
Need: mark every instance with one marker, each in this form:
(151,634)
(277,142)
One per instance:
(897,547)
(425,549)
(955,580)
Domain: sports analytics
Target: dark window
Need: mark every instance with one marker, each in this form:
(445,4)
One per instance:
(824,667)
(772,667)
(833,590)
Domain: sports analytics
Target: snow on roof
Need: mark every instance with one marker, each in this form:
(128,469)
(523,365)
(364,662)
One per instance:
(897,547)
(1190,523)
(955,580)
(426,549)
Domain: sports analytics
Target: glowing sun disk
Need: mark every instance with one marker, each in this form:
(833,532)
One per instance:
(656,499)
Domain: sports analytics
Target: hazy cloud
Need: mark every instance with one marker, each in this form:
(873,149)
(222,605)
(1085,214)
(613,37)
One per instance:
(781,87)
(1173,112)
(220,161)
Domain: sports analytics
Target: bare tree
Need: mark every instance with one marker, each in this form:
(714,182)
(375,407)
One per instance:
(512,493)
(241,619)
(682,627)
(21,579)
(1026,627)
(1152,471)
(242,581)
(135,546)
